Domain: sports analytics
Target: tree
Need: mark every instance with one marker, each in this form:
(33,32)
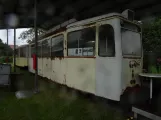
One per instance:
(152,36)
(29,34)
(5,50)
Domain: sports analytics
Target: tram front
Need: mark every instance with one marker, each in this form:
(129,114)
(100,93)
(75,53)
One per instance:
(132,59)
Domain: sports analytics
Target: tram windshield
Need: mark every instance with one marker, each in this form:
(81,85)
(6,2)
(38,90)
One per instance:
(131,42)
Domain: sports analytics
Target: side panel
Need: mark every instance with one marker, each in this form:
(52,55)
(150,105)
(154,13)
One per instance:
(58,72)
(108,69)
(22,62)
(80,74)
(47,67)
(77,73)
(130,73)
(40,66)
(30,67)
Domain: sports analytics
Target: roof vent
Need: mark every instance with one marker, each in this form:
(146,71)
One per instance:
(129,14)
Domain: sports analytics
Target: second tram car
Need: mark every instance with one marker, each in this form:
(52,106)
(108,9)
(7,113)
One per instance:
(22,56)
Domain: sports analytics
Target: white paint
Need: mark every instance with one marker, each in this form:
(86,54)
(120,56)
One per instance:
(108,69)
(40,66)
(102,76)
(59,70)
(127,72)
(80,74)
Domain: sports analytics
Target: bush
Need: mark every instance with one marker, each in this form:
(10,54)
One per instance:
(6,59)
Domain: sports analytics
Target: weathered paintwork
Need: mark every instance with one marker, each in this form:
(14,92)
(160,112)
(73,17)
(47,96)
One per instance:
(103,76)
(40,66)
(130,71)
(21,61)
(108,69)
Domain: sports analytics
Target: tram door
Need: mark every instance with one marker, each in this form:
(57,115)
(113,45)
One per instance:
(108,61)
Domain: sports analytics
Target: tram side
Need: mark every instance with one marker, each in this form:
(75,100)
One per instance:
(93,56)
(53,63)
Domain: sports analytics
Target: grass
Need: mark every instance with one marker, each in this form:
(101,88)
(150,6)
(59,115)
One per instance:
(52,103)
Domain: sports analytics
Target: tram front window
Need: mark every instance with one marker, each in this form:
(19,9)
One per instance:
(131,43)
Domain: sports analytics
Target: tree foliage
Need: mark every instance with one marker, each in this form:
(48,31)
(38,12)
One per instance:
(29,34)
(152,36)
(5,50)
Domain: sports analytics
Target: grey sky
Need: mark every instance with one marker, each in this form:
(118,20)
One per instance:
(3,36)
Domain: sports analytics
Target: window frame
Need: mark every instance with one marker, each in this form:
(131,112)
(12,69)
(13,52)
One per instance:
(46,54)
(23,51)
(31,49)
(127,55)
(61,34)
(80,29)
(39,56)
(113,37)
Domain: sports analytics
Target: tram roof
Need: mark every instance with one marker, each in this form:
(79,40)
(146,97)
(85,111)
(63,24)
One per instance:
(94,19)
(21,46)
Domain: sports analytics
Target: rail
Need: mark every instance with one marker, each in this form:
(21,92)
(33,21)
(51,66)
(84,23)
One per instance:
(146,114)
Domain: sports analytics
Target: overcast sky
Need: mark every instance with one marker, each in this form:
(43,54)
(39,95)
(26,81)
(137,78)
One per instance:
(3,36)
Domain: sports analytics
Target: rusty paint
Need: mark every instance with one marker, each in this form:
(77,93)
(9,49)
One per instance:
(131,57)
(65,79)
(60,58)
(52,58)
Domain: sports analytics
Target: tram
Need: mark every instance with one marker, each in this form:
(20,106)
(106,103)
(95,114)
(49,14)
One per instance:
(22,56)
(100,55)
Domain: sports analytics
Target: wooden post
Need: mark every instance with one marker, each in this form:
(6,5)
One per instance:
(14,53)
(7,36)
(36,37)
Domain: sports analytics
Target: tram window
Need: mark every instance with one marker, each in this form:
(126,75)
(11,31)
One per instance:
(46,48)
(16,53)
(131,43)
(130,26)
(49,47)
(57,46)
(82,42)
(39,51)
(32,50)
(106,47)
(23,52)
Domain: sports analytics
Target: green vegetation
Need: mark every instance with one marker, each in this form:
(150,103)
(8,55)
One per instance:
(4,59)
(52,103)
(153,69)
(152,36)
(5,50)
(29,34)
